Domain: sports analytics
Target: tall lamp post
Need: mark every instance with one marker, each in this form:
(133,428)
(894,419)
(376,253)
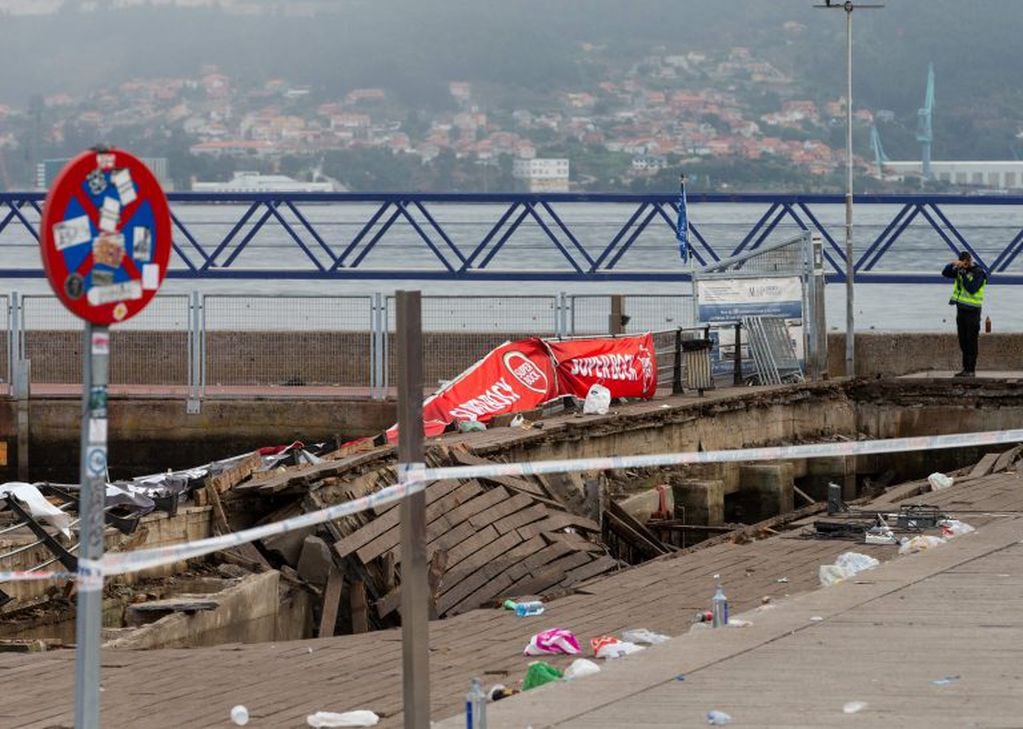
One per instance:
(850,273)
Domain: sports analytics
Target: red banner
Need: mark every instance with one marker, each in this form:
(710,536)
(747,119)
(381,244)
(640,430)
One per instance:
(627,366)
(514,377)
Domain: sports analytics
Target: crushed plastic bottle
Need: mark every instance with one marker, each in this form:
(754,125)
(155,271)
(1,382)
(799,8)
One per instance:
(525,609)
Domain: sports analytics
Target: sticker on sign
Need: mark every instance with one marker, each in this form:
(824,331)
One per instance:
(72,232)
(127,291)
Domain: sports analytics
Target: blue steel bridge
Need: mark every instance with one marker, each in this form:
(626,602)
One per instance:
(547,237)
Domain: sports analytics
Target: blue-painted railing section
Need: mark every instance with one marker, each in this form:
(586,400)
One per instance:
(569,237)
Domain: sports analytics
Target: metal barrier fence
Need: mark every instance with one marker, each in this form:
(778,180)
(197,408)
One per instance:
(459,330)
(210,344)
(272,341)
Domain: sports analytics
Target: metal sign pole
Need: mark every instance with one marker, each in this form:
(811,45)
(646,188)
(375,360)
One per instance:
(89,618)
(415,597)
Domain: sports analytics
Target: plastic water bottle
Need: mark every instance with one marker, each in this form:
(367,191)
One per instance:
(719,607)
(525,609)
(476,706)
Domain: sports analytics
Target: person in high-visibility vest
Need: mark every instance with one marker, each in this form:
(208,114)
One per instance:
(970,280)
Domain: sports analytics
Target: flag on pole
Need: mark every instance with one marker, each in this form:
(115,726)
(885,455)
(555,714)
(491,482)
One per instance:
(682,229)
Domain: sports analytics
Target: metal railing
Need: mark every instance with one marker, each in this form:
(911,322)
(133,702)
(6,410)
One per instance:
(207,345)
(551,237)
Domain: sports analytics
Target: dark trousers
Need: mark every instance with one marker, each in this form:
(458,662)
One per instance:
(968,325)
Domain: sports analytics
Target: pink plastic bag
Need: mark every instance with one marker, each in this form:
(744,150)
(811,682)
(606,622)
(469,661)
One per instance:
(555,640)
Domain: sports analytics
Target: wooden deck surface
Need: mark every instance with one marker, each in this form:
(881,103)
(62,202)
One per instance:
(282,683)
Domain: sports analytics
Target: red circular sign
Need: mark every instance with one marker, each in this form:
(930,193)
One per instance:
(106,236)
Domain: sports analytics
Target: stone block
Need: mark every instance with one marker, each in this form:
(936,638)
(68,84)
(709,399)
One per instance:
(315,561)
(766,490)
(703,500)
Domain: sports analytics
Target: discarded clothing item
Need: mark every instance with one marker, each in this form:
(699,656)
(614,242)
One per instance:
(642,635)
(130,497)
(323,719)
(538,673)
(939,481)
(37,505)
(919,544)
(471,426)
(554,640)
(581,667)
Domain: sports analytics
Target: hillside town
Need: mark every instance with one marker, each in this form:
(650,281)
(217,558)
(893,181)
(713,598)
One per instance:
(670,109)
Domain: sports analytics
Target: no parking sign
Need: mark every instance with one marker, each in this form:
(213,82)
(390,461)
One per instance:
(106,236)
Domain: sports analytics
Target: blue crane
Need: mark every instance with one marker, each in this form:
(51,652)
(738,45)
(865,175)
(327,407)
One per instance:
(924,134)
(875,144)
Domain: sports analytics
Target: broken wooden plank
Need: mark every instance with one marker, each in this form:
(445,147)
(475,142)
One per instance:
(389,539)
(389,519)
(516,484)
(558,520)
(536,512)
(550,575)
(985,465)
(596,567)
(235,474)
(646,536)
(331,603)
(509,506)
(577,541)
(359,607)
(1005,460)
(480,557)
(637,540)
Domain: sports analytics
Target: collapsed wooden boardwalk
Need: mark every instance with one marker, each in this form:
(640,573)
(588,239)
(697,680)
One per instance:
(282,683)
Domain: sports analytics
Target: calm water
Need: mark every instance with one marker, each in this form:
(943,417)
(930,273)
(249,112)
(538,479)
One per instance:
(884,307)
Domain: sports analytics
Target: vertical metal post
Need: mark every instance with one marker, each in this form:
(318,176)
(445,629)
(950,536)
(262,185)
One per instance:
(737,357)
(378,323)
(676,368)
(89,619)
(193,405)
(415,598)
(616,320)
(850,273)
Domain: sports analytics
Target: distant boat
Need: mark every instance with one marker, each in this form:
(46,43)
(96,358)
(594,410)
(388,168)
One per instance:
(257,182)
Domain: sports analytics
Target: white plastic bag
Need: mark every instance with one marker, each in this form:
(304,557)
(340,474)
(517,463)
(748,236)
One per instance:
(939,481)
(642,635)
(581,667)
(853,562)
(323,719)
(598,400)
(616,650)
(831,574)
(919,544)
(954,528)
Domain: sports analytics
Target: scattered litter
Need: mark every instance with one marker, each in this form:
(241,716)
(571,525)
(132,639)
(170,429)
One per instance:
(947,680)
(517,421)
(718,718)
(607,646)
(816,619)
(765,600)
(680,677)
(880,534)
(954,528)
(239,715)
(846,565)
(782,580)
(598,400)
(939,481)
(470,426)
(499,691)
(642,635)
(705,616)
(919,544)
(854,706)
(554,640)
(538,673)
(323,719)
(525,609)
(739,623)
(581,667)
